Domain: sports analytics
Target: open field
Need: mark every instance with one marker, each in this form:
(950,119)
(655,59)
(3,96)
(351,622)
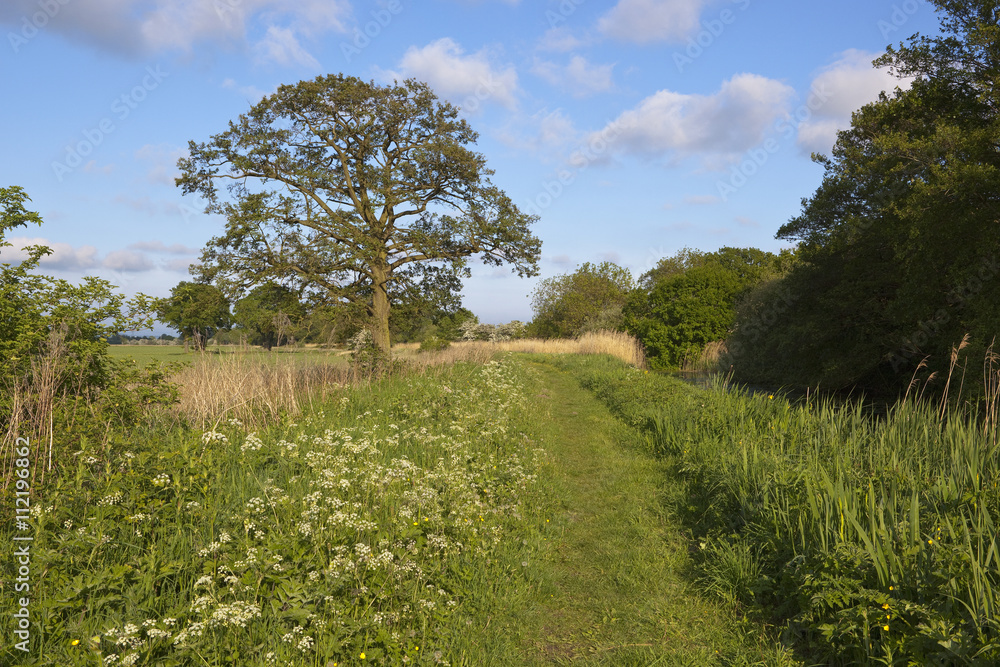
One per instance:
(171,353)
(614,343)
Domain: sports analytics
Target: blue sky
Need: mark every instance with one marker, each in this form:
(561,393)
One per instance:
(634,128)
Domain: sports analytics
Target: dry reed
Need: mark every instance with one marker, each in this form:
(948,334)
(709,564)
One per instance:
(709,359)
(253,389)
(614,343)
(33,400)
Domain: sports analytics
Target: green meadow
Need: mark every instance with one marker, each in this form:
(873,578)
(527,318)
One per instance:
(511,509)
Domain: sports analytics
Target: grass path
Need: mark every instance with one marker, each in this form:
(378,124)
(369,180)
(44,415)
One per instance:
(614,585)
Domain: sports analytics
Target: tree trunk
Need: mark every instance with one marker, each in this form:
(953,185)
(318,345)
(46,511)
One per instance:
(380,307)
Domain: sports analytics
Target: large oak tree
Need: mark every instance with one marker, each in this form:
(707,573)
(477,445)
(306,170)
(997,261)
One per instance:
(355,192)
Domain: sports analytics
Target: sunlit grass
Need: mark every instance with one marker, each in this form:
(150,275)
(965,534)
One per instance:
(875,538)
(381,521)
(614,343)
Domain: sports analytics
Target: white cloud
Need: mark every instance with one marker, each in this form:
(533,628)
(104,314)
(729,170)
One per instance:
(178,265)
(644,21)
(93,168)
(178,24)
(64,256)
(560,40)
(161,247)
(281,46)
(546,132)
(127,260)
(141,27)
(722,125)
(578,76)
(837,91)
(466,80)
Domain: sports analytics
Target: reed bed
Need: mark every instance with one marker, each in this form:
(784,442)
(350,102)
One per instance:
(708,360)
(253,388)
(872,538)
(615,343)
(876,537)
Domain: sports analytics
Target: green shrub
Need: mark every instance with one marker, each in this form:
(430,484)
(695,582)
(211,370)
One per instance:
(56,374)
(434,344)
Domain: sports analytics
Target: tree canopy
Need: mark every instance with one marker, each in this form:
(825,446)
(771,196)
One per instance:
(567,304)
(196,310)
(268,313)
(690,299)
(900,242)
(55,371)
(353,191)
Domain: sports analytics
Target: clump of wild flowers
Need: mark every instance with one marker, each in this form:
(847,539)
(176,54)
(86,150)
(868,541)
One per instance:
(209,437)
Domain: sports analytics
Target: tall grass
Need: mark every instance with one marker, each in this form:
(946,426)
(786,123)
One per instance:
(883,531)
(709,359)
(30,401)
(615,343)
(875,538)
(253,388)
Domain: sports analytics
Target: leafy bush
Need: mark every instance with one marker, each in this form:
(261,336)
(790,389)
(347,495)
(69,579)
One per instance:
(585,300)
(55,371)
(434,344)
(472,330)
(690,300)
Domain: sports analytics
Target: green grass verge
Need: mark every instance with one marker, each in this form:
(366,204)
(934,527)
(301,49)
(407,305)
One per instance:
(614,580)
(872,540)
(387,527)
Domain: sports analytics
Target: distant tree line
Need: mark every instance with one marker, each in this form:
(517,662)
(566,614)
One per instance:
(272,315)
(125,339)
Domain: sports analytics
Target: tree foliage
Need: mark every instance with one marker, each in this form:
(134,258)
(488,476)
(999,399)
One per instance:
(55,371)
(196,310)
(690,300)
(565,305)
(268,313)
(900,243)
(351,191)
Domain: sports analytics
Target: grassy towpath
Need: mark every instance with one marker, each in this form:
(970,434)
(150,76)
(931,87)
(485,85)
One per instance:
(614,585)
